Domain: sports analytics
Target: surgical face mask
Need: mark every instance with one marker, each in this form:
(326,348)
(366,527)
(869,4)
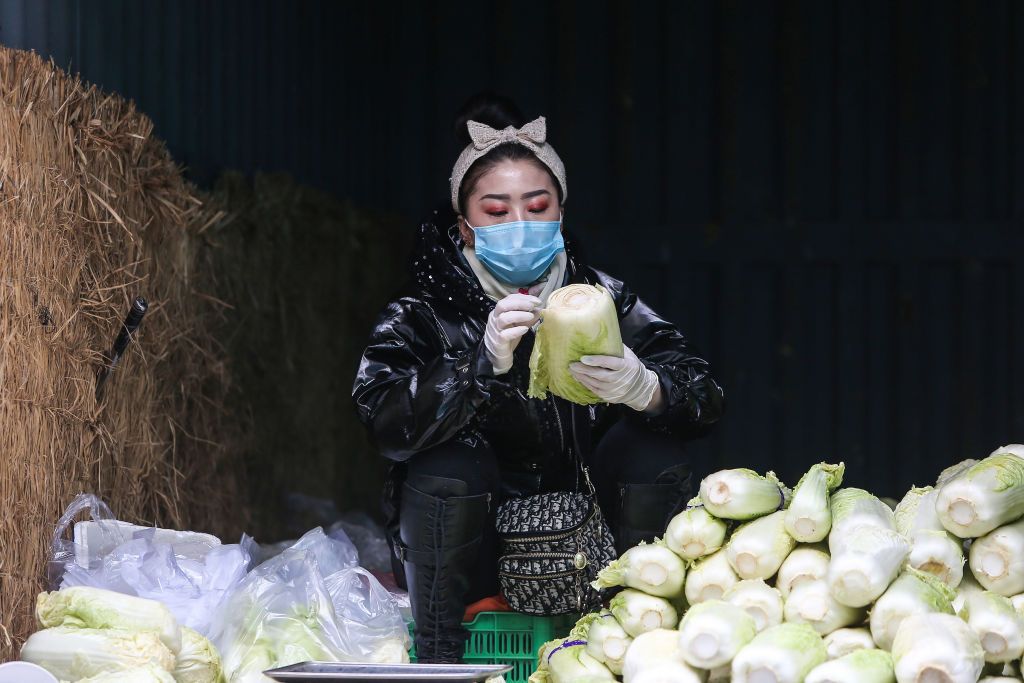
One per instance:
(519,253)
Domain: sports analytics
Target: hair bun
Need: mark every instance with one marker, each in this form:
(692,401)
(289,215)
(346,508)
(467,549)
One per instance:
(497,111)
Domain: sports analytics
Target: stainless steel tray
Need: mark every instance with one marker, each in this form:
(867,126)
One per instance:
(332,671)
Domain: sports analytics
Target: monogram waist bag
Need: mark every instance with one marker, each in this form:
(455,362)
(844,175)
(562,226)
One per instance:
(553,545)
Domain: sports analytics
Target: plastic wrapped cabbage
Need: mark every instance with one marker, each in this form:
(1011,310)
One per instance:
(579,320)
(198,661)
(308,604)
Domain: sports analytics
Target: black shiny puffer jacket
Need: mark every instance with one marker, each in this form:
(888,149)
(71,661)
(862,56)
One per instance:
(425,378)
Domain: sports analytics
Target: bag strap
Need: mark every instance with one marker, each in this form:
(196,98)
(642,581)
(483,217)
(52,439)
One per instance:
(580,445)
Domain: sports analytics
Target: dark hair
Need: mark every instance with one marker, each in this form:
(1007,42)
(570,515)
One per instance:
(498,112)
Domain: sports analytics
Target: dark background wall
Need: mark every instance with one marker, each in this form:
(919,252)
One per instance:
(827,196)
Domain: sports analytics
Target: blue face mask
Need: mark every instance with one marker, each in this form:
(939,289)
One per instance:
(519,253)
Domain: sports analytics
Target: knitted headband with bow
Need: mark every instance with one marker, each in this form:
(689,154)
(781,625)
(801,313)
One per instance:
(533,136)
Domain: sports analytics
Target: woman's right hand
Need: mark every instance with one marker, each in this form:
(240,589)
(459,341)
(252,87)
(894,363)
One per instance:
(511,318)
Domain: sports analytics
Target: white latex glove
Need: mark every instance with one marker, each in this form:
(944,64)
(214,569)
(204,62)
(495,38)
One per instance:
(619,380)
(511,318)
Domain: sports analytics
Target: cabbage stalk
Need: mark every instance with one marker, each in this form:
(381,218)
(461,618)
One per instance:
(639,612)
(809,516)
(954,470)
(695,533)
(999,626)
(1015,448)
(805,564)
(88,607)
(607,641)
(667,673)
(846,640)
(757,549)
(967,587)
(867,561)
(1018,603)
(742,494)
(852,508)
(71,653)
(939,553)
(709,578)
(983,497)
(712,632)
(861,666)
(657,652)
(997,559)
(198,661)
(913,592)
(781,654)
(932,548)
(566,661)
(649,567)
(916,511)
(937,647)
(139,674)
(812,603)
(759,600)
(580,320)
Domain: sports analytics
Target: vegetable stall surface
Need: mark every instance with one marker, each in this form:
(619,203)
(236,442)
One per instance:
(579,320)
(884,596)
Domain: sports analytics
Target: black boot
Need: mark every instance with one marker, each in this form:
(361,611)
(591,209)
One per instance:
(440,541)
(646,509)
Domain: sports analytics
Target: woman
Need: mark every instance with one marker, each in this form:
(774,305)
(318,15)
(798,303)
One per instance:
(442,383)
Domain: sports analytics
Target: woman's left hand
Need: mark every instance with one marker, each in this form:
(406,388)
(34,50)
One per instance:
(623,380)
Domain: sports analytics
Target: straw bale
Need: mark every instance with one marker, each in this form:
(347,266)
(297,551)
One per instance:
(93,212)
(305,275)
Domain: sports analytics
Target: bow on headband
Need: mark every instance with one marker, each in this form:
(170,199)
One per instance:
(483,138)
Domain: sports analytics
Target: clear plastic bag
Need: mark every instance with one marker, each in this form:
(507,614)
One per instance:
(288,610)
(370,619)
(63,552)
(188,572)
(368,537)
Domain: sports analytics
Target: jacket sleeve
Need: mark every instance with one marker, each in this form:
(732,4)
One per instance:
(412,391)
(693,399)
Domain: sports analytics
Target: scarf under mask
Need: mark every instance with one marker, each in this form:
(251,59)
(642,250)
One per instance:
(496,289)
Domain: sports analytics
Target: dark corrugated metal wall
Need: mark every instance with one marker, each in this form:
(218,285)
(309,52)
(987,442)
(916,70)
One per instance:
(826,195)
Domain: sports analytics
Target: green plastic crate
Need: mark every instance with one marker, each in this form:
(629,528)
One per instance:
(510,638)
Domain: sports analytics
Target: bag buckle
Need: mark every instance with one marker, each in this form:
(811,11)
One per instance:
(586,479)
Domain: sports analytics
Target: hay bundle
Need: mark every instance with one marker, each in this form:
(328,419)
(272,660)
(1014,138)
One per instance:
(306,275)
(93,212)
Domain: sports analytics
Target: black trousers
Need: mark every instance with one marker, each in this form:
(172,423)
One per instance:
(627,454)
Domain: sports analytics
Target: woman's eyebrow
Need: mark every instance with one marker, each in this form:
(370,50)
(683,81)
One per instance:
(505,197)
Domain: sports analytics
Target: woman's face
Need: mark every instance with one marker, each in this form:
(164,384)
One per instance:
(519,190)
